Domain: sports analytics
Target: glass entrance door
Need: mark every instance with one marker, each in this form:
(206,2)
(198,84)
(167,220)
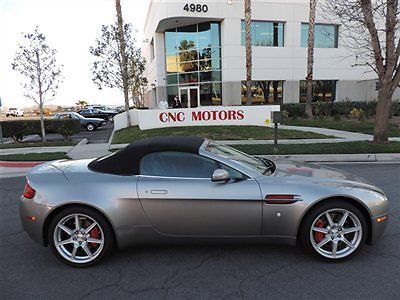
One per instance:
(189,96)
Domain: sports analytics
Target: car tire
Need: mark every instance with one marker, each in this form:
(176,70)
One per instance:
(99,240)
(90,127)
(336,239)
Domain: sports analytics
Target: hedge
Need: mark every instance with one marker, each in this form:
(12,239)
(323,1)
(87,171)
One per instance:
(18,129)
(332,109)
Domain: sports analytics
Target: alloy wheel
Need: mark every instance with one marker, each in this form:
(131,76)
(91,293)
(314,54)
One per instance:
(78,238)
(336,233)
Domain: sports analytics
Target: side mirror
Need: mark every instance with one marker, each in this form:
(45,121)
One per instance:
(220,175)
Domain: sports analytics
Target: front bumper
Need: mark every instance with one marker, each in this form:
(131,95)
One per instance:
(33,216)
(378,227)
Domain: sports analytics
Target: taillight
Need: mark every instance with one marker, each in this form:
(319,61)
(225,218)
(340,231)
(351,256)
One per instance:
(29,192)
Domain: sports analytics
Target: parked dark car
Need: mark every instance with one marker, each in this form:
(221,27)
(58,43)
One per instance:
(89,124)
(97,113)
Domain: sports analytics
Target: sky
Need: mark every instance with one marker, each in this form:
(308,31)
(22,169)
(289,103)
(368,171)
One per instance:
(71,27)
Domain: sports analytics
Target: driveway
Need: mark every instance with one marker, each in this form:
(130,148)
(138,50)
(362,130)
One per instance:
(203,272)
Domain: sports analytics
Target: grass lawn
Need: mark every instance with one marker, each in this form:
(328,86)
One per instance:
(130,134)
(366,126)
(37,144)
(34,156)
(329,148)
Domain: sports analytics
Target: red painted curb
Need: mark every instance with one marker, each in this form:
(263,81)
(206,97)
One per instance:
(20,164)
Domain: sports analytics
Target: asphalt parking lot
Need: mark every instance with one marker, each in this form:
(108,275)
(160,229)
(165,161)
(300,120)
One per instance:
(100,135)
(204,272)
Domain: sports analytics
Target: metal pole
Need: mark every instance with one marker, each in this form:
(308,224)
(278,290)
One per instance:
(1,134)
(275,137)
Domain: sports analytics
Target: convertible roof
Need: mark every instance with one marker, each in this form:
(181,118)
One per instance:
(127,160)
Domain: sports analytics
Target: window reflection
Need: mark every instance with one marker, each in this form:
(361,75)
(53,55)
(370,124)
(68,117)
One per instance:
(264,33)
(325,35)
(193,57)
(264,92)
(323,90)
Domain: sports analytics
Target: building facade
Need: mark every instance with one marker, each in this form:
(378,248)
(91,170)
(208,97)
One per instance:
(196,51)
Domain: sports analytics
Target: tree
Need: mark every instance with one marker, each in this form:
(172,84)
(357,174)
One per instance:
(371,31)
(310,58)
(81,103)
(107,68)
(247,20)
(37,64)
(124,61)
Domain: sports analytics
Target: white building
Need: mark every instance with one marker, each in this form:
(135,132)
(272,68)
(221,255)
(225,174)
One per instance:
(196,50)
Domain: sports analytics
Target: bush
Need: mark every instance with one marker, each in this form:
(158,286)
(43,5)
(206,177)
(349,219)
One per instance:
(18,129)
(337,109)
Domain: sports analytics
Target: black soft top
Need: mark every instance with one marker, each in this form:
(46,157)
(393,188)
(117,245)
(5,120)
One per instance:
(127,161)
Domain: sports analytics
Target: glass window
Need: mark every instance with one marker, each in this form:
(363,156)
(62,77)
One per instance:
(264,33)
(193,54)
(323,90)
(172,91)
(188,77)
(177,164)
(210,76)
(187,37)
(325,35)
(172,78)
(264,92)
(170,41)
(210,94)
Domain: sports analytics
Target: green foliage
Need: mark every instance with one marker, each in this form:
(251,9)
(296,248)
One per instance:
(335,109)
(18,129)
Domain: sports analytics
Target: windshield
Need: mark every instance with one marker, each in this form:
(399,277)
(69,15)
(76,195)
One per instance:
(77,116)
(237,155)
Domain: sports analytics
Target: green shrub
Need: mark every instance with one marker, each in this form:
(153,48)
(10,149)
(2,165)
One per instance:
(337,109)
(18,129)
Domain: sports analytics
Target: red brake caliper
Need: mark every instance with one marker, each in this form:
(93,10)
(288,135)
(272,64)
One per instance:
(319,236)
(94,233)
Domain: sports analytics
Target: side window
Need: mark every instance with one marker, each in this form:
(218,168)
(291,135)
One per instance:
(177,164)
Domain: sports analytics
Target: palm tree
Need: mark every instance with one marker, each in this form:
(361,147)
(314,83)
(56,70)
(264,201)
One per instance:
(310,58)
(247,20)
(81,103)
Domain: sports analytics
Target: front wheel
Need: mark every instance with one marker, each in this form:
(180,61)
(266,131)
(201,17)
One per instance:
(90,127)
(335,230)
(80,237)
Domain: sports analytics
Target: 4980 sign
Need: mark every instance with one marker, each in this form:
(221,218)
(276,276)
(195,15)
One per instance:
(195,7)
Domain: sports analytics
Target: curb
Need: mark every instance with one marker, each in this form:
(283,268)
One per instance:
(20,164)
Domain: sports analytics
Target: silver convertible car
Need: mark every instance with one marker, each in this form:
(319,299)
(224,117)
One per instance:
(194,190)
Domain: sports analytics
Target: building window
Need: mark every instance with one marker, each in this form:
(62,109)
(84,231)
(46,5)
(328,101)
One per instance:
(264,33)
(193,58)
(264,92)
(152,50)
(325,35)
(323,90)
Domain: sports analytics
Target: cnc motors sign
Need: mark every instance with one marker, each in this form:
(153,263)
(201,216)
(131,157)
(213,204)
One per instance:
(207,116)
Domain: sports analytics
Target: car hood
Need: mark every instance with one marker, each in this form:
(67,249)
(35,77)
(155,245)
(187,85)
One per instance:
(320,174)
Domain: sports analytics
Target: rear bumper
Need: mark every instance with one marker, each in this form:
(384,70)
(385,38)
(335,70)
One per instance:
(378,227)
(29,209)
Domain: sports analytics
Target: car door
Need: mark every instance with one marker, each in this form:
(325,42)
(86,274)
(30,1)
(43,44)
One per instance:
(179,198)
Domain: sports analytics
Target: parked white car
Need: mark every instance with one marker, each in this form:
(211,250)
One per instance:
(14,112)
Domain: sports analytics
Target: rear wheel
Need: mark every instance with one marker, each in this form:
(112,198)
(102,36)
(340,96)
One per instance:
(335,230)
(80,237)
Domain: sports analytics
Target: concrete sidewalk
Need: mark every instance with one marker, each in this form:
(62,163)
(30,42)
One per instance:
(84,150)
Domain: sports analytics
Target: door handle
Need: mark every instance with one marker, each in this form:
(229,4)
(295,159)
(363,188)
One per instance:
(159,192)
